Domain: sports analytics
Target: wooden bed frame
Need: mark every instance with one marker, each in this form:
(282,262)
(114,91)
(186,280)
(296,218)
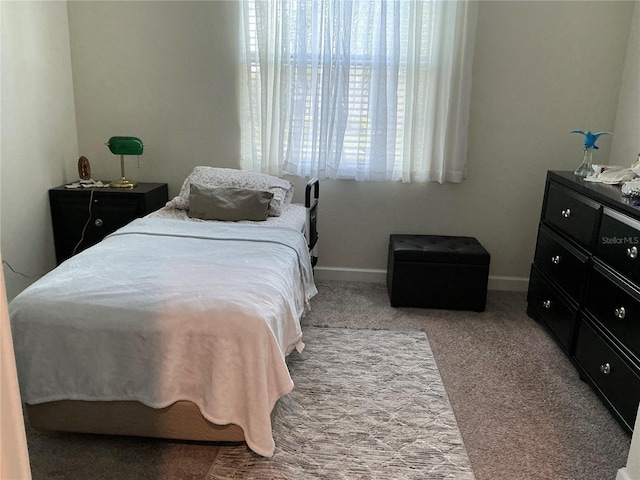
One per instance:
(181,420)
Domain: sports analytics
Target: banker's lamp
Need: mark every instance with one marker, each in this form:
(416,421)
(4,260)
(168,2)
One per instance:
(124,146)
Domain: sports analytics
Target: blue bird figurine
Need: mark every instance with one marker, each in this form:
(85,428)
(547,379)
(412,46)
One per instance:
(590,139)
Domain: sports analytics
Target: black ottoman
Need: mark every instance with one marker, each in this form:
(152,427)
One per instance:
(433,271)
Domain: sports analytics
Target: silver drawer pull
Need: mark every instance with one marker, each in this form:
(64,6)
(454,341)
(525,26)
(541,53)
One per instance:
(620,312)
(605,368)
(547,304)
(566,213)
(632,252)
(98,222)
(555,259)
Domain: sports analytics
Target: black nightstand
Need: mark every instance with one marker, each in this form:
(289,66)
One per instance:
(110,209)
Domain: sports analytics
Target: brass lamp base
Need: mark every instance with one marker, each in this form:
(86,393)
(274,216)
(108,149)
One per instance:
(123,183)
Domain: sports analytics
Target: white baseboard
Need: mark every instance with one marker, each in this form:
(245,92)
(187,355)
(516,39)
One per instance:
(515,284)
(350,274)
(623,475)
(510,284)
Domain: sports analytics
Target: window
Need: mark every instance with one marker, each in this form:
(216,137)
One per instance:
(361,89)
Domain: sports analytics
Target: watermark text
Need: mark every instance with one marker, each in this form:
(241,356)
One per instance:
(620,240)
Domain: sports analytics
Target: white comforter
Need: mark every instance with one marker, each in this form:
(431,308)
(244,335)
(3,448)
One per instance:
(166,310)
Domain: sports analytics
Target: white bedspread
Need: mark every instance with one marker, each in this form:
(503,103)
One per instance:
(166,310)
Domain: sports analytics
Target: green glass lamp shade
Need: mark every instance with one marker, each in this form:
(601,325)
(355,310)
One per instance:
(125,145)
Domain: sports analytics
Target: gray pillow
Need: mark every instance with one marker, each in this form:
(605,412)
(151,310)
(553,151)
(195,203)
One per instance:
(228,203)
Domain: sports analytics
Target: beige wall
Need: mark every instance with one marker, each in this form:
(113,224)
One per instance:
(37,151)
(625,146)
(163,71)
(166,71)
(39,145)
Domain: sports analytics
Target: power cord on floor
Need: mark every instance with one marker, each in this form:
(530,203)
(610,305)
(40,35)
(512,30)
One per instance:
(4,262)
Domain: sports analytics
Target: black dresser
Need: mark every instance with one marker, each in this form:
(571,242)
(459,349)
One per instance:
(585,285)
(83,217)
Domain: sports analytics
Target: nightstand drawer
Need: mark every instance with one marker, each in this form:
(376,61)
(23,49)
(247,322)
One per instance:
(619,243)
(616,305)
(617,380)
(104,216)
(551,309)
(565,264)
(573,214)
(83,217)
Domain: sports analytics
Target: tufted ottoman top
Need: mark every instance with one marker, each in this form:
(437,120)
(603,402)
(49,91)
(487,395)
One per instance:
(438,249)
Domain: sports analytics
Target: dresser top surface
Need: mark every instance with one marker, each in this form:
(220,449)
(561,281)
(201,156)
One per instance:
(608,195)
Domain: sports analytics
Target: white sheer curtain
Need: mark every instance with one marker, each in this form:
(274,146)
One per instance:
(363,89)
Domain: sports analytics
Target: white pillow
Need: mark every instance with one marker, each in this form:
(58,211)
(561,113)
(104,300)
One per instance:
(228,177)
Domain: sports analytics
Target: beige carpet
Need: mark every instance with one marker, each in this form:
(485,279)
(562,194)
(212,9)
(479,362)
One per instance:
(521,409)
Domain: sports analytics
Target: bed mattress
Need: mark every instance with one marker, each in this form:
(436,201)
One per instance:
(166,310)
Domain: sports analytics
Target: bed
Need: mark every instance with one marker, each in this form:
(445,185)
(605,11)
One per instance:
(174,326)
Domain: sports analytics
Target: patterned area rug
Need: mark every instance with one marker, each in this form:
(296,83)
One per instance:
(367,404)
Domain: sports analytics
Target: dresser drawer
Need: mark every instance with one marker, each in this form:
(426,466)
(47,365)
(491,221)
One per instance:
(549,308)
(562,262)
(619,243)
(616,306)
(617,380)
(573,214)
